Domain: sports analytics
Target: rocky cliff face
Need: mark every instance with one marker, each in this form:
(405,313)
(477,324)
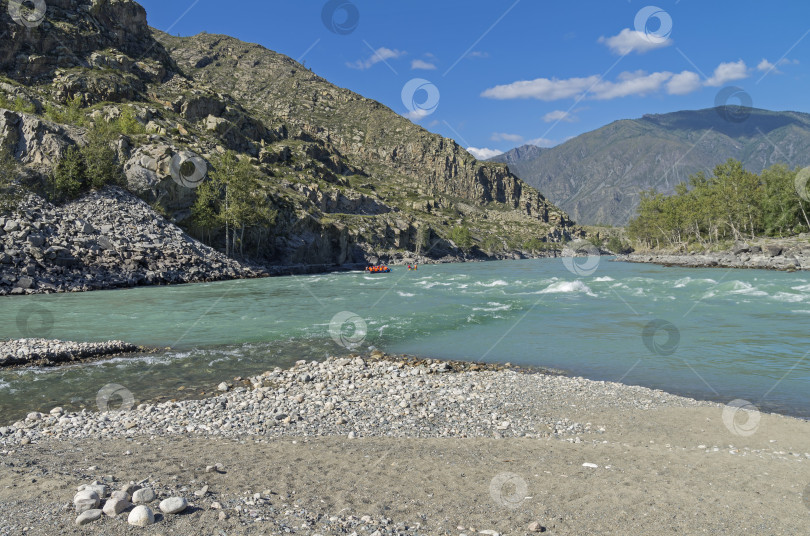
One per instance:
(349,180)
(81,33)
(363,130)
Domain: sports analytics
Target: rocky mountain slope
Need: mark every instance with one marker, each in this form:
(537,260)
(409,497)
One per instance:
(106,239)
(348,179)
(596,177)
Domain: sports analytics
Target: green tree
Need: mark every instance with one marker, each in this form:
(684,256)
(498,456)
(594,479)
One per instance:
(461,236)
(207,206)
(72,114)
(732,203)
(232,198)
(68,178)
(10,192)
(100,159)
(128,124)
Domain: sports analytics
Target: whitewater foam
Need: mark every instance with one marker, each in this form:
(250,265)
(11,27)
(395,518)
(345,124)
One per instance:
(406,294)
(787,297)
(497,283)
(493,306)
(565,287)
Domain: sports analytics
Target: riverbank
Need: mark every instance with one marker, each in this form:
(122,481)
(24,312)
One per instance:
(112,239)
(51,352)
(418,449)
(787,254)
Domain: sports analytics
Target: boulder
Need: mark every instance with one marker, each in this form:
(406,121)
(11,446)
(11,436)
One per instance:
(740,247)
(772,250)
(113,507)
(173,505)
(141,516)
(86,500)
(88,516)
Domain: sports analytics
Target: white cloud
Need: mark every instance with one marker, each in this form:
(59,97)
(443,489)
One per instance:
(381,54)
(421,64)
(765,65)
(635,83)
(628,83)
(502,136)
(684,83)
(559,115)
(633,41)
(728,72)
(541,88)
(483,153)
(542,142)
(417,115)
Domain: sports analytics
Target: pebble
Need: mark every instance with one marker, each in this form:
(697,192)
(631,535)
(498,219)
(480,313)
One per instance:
(86,500)
(141,516)
(121,495)
(130,488)
(201,492)
(113,507)
(143,496)
(102,490)
(88,516)
(535,526)
(591,465)
(173,505)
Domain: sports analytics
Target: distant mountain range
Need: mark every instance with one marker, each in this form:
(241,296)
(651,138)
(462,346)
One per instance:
(597,176)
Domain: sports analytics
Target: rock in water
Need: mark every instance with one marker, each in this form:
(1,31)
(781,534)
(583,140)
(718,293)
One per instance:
(173,505)
(86,500)
(88,516)
(141,516)
(113,507)
(143,496)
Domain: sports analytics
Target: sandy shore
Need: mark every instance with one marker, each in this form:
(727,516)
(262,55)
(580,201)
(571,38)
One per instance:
(657,464)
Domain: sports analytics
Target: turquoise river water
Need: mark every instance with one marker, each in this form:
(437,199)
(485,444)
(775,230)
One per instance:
(707,333)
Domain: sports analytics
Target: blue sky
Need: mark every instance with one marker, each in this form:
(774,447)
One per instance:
(499,73)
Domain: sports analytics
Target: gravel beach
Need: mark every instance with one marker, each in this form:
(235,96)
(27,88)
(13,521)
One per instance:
(386,445)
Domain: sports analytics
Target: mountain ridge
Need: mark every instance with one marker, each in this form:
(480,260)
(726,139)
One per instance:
(346,179)
(597,176)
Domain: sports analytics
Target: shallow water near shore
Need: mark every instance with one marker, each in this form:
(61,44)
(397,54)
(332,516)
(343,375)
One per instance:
(712,334)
